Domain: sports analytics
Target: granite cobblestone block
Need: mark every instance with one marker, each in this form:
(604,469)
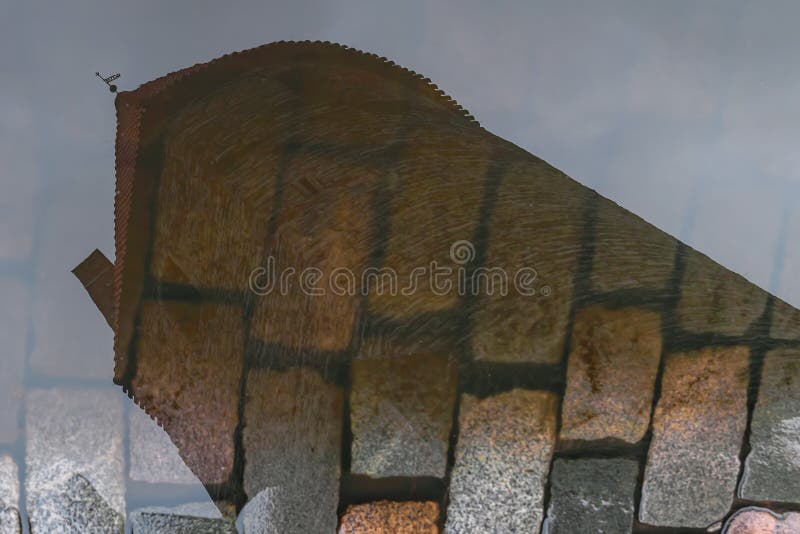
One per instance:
(772,468)
(401,411)
(611,372)
(292,442)
(502,461)
(698,426)
(592,495)
(74,459)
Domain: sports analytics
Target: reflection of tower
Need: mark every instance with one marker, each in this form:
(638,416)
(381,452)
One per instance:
(439,407)
(108,80)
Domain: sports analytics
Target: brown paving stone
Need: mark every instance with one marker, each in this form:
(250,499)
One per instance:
(502,461)
(785,321)
(698,426)
(386,517)
(714,299)
(536,223)
(292,443)
(436,196)
(401,411)
(610,374)
(222,154)
(629,253)
(772,468)
(189,361)
(762,521)
(324,224)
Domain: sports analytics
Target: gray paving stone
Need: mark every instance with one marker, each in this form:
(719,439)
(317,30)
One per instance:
(629,253)
(77,508)
(14,317)
(611,371)
(264,513)
(591,495)
(714,299)
(292,442)
(9,496)
(10,520)
(153,456)
(70,433)
(179,520)
(401,411)
(501,462)
(772,468)
(9,482)
(755,520)
(698,426)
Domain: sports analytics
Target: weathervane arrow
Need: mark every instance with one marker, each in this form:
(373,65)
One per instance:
(108,80)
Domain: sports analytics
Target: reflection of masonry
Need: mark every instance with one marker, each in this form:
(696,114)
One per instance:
(652,388)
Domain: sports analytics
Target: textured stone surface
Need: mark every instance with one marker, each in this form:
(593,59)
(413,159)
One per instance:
(401,411)
(77,509)
(629,253)
(772,468)
(14,316)
(264,513)
(292,441)
(385,517)
(591,495)
(74,452)
(10,520)
(458,166)
(714,299)
(501,462)
(785,321)
(189,361)
(153,456)
(161,522)
(762,521)
(9,496)
(698,426)
(533,199)
(318,311)
(611,370)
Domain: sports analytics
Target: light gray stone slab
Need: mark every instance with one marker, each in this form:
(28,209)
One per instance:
(14,318)
(10,520)
(76,508)
(772,468)
(502,461)
(292,442)
(401,411)
(9,496)
(154,458)
(72,433)
(591,495)
(698,426)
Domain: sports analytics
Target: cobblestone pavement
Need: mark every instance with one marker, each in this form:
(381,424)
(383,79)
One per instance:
(642,389)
